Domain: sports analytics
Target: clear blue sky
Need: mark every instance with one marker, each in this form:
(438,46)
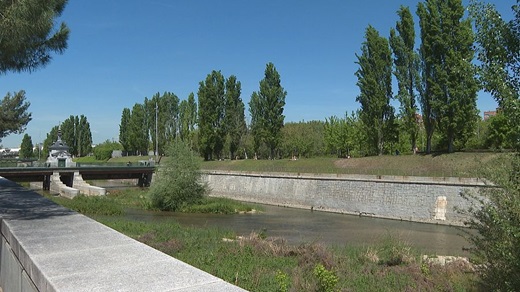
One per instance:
(121,51)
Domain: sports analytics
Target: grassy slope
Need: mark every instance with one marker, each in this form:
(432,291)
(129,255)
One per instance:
(459,164)
(456,164)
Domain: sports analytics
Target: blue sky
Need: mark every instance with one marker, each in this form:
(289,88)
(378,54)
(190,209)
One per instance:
(121,51)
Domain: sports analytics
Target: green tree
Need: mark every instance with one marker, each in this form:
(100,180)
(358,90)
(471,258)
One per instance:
(449,87)
(13,114)
(28,35)
(124,130)
(266,107)
(498,52)
(84,137)
(188,119)
(76,134)
(167,107)
(496,218)
(406,62)
(51,137)
(68,133)
(302,139)
(337,136)
(211,115)
(138,130)
(26,149)
(498,129)
(375,84)
(103,151)
(234,118)
(178,182)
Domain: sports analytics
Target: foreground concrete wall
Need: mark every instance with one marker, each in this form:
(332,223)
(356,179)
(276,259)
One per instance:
(45,247)
(420,199)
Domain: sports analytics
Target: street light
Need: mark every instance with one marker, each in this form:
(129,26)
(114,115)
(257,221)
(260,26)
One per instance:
(156,136)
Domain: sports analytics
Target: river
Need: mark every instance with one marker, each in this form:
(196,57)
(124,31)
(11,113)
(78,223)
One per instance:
(300,226)
(303,226)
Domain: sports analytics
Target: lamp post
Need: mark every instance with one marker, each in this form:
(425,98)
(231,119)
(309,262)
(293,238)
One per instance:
(156,132)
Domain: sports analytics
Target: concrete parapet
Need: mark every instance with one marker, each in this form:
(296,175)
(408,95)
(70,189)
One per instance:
(59,187)
(85,188)
(45,247)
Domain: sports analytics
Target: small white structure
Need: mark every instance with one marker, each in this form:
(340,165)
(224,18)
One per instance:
(59,155)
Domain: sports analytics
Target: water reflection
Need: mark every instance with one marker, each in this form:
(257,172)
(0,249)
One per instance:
(299,226)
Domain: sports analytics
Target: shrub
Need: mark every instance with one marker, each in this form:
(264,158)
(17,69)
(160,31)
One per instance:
(327,280)
(496,218)
(178,180)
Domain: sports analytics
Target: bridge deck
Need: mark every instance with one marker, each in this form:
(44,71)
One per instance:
(27,174)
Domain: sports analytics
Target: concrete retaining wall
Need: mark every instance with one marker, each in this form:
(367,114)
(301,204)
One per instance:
(45,247)
(419,199)
(60,188)
(85,188)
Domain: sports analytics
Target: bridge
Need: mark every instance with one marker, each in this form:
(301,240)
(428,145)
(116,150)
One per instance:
(142,172)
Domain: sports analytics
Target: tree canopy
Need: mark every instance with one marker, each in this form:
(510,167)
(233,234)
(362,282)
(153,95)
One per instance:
(28,34)
(266,107)
(14,116)
(375,85)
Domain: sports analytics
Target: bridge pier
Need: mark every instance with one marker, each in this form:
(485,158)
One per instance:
(145,180)
(46,182)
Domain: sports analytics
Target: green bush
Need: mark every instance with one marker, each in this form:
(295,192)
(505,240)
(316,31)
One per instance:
(496,218)
(177,184)
(327,280)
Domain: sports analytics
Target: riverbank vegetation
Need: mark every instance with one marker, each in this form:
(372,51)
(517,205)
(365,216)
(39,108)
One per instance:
(259,262)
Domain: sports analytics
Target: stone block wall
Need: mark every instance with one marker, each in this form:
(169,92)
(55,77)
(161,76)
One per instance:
(419,199)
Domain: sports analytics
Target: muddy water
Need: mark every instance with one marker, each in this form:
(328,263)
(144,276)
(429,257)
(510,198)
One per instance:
(298,226)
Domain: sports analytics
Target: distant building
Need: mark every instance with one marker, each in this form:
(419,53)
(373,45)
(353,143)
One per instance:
(489,114)
(418,119)
(10,152)
(59,155)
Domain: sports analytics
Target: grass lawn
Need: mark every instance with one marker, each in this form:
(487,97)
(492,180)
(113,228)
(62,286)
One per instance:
(460,164)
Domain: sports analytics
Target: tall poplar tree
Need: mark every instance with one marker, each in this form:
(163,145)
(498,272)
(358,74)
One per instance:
(266,107)
(234,119)
(124,130)
(187,119)
(450,88)
(211,115)
(375,84)
(138,130)
(406,63)
(84,136)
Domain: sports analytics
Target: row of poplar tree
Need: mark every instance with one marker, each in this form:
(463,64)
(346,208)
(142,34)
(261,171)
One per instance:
(214,125)
(437,89)
(75,132)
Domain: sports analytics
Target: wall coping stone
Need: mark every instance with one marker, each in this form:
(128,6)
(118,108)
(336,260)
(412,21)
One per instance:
(453,181)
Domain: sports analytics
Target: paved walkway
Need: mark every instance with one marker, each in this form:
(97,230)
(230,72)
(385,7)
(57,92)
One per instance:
(61,250)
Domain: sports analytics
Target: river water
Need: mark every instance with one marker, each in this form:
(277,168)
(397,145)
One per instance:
(303,226)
